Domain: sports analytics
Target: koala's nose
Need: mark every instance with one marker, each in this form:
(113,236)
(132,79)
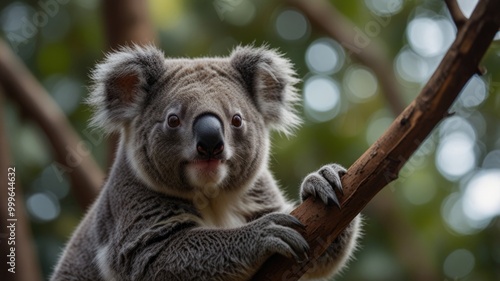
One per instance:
(209,136)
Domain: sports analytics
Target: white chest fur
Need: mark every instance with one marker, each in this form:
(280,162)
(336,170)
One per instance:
(223,210)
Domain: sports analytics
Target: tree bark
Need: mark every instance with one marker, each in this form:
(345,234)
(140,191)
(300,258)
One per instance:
(381,163)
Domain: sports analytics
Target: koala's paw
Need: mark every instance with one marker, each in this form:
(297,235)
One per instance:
(276,235)
(323,183)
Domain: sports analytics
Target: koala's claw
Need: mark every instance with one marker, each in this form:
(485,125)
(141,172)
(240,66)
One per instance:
(323,184)
(278,236)
(296,222)
(284,219)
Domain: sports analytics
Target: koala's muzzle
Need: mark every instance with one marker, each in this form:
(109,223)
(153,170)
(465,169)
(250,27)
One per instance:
(209,136)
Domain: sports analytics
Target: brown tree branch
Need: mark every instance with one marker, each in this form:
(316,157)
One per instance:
(381,163)
(334,25)
(455,12)
(126,22)
(71,152)
(361,45)
(26,264)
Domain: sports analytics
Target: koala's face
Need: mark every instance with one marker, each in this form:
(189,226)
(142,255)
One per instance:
(201,130)
(195,125)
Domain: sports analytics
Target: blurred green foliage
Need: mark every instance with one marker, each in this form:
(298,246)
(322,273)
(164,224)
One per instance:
(61,51)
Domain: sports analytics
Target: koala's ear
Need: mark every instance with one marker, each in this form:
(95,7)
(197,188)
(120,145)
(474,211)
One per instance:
(121,84)
(270,80)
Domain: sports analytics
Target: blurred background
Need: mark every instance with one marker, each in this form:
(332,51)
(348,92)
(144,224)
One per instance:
(438,221)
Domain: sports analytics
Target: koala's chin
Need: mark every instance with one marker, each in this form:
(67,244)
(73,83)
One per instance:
(203,174)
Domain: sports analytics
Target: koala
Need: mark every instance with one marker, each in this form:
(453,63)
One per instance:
(190,195)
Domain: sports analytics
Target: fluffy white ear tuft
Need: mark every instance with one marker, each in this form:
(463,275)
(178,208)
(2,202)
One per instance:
(270,79)
(121,84)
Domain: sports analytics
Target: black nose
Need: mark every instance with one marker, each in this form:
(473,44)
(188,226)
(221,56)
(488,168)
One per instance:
(209,136)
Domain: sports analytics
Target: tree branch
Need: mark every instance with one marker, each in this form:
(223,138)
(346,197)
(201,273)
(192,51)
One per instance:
(381,163)
(371,56)
(455,12)
(126,22)
(20,86)
(365,48)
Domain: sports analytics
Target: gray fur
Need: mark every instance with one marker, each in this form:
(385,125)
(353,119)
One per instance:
(164,216)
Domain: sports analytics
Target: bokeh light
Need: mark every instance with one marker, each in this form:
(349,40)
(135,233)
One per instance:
(168,14)
(360,83)
(473,93)
(9,18)
(325,56)
(459,264)
(51,180)
(66,91)
(492,160)
(292,25)
(15,20)
(455,124)
(321,98)
(467,6)
(429,37)
(477,122)
(379,122)
(43,206)
(242,13)
(32,149)
(481,200)
(453,214)
(455,156)
(385,7)
(411,67)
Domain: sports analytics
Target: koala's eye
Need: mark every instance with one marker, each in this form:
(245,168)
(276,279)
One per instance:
(236,121)
(173,121)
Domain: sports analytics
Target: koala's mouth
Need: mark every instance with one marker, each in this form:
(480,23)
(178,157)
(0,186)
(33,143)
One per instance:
(203,173)
(207,164)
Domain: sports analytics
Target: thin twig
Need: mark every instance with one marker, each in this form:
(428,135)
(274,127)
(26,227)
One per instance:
(455,12)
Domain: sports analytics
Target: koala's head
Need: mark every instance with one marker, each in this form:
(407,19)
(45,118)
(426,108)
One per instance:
(188,125)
